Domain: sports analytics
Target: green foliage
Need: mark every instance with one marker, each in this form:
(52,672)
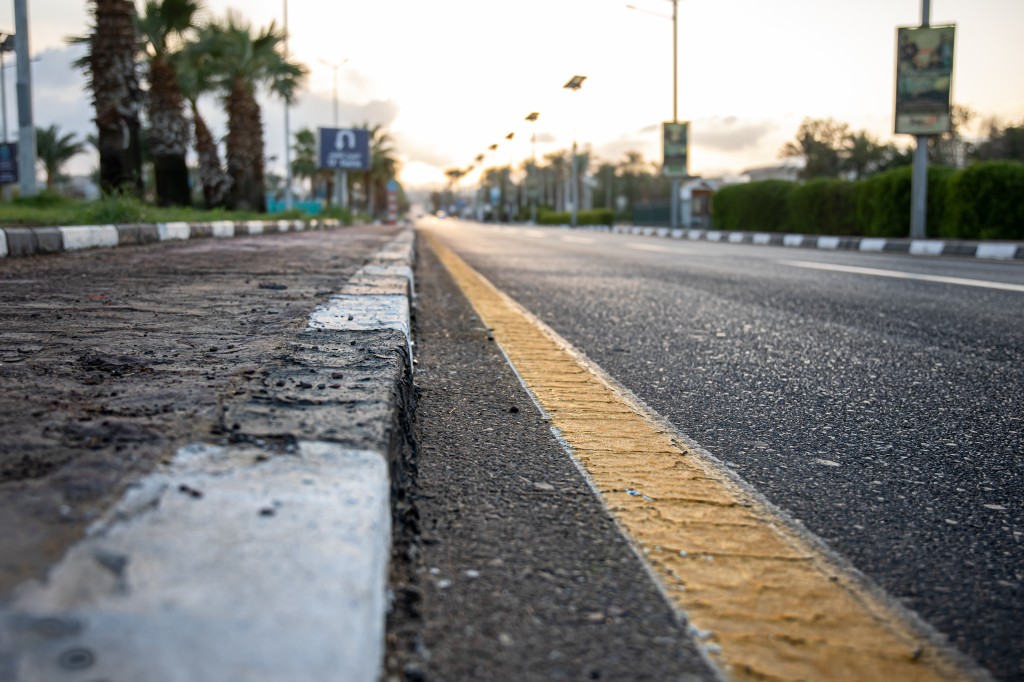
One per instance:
(597,216)
(756,206)
(821,206)
(985,201)
(117,208)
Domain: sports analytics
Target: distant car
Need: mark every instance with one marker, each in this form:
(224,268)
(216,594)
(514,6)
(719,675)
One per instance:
(441,214)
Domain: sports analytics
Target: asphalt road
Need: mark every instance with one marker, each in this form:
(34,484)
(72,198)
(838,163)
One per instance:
(878,400)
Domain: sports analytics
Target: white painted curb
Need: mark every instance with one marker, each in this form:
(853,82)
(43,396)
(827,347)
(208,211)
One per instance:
(183,581)
(997,251)
(88,236)
(3,244)
(174,231)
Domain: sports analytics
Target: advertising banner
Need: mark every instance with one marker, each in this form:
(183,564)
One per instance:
(9,163)
(675,140)
(924,79)
(343,149)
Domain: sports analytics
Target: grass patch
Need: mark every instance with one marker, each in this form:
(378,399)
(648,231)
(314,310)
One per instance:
(48,209)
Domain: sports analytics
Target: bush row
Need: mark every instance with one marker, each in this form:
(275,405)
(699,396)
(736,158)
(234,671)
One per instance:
(982,201)
(597,216)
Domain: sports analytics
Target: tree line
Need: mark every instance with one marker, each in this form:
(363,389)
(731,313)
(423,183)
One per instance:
(830,149)
(147,70)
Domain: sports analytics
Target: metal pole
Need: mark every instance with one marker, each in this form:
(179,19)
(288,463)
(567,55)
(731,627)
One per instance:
(674,219)
(287,129)
(531,187)
(26,126)
(3,92)
(574,193)
(919,179)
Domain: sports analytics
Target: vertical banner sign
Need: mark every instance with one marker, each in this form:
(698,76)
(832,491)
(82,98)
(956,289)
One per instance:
(9,163)
(392,202)
(675,141)
(343,149)
(924,78)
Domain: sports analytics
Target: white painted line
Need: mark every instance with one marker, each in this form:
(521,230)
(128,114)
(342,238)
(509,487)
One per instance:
(224,567)
(828,243)
(362,313)
(762,238)
(793,240)
(536,234)
(88,236)
(3,244)
(174,231)
(999,251)
(223,229)
(872,245)
(657,248)
(1002,286)
(577,240)
(926,247)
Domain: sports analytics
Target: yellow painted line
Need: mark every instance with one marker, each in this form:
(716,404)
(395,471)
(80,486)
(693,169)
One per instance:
(767,603)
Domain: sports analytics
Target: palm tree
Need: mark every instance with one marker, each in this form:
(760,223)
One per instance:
(383,167)
(242,64)
(112,71)
(53,150)
(304,162)
(163,26)
(195,76)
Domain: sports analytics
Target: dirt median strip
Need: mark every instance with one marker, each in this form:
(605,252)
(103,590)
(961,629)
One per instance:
(766,601)
(262,553)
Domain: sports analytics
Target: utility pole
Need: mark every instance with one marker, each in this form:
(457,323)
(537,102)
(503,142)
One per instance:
(26,125)
(674,220)
(287,128)
(919,179)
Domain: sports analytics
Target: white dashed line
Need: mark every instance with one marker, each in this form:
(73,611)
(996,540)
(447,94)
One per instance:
(1002,286)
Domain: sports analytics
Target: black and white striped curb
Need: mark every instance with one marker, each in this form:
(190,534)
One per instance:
(262,556)
(32,241)
(914,247)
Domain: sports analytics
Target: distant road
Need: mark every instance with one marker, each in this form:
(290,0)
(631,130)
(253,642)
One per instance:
(877,399)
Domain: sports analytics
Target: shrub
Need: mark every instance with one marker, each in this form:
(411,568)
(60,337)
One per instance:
(985,201)
(822,206)
(757,206)
(597,216)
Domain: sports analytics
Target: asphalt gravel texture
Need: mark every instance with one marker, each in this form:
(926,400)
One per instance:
(514,571)
(884,415)
(110,360)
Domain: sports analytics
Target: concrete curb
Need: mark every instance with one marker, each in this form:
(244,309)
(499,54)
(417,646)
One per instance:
(34,241)
(263,555)
(913,247)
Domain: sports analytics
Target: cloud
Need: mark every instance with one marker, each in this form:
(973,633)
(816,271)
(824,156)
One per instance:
(729,134)
(413,151)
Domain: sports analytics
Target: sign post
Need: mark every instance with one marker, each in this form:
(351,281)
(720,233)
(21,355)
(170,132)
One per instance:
(924,78)
(342,150)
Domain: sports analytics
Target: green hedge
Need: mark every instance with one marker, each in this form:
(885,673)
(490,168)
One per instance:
(597,216)
(983,201)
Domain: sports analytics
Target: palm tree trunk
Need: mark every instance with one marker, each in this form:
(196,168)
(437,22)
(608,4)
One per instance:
(169,135)
(245,150)
(216,183)
(117,95)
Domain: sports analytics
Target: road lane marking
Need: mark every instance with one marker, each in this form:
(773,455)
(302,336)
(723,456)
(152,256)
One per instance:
(770,605)
(960,281)
(577,240)
(656,248)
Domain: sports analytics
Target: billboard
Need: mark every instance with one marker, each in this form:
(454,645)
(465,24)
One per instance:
(9,163)
(675,140)
(924,78)
(343,149)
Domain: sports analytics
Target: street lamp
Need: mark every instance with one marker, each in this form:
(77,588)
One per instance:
(287,128)
(341,175)
(574,84)
(531,180)
(674,220)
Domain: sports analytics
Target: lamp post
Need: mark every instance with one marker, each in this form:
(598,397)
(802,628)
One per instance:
(531,189)
(287,129)
(574,84)
(342,175)
(26,125)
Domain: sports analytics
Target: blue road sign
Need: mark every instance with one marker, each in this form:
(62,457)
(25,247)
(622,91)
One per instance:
(9,163)
(344,149)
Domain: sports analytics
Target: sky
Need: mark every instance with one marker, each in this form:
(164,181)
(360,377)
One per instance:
(448,78)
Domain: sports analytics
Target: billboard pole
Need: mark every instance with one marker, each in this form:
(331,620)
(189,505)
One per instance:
(919,180)
(26,126)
